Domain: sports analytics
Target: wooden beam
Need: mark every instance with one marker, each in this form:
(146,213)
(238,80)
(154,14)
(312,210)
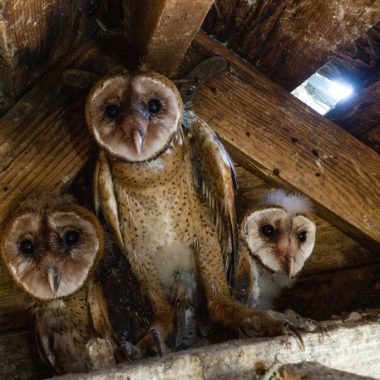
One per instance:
(35,34)
(314,371)
(360,114)
(161,31)
(274,135)
(352,346)
(289,40)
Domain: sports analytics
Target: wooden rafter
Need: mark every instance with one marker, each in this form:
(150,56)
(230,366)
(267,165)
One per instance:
(273,134)
(289,40)
(161,31)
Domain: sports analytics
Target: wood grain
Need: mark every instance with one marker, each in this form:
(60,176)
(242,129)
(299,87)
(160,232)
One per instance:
(290,40)
(35,34)
(352,346)
(275,136)
(161,31)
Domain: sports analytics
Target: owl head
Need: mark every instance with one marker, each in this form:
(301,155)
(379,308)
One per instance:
(51,246)
(280,232)
(134,117)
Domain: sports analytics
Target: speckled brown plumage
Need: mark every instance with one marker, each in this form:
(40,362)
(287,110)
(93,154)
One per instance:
(175,212)
(54,235)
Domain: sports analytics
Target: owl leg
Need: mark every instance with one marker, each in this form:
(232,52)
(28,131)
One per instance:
(163,313)
(304,324)
(222,308)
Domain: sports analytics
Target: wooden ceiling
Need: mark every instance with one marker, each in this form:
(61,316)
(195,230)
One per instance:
(290,40)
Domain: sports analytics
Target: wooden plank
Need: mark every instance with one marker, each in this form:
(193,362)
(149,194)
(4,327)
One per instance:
(333,249)
(289,40)
(161,31)
(352,346)
(19,359)
(314,371)
(35,34)
(274,135)
(360,114)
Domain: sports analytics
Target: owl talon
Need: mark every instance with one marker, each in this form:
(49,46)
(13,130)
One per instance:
(157,340)
(292,330)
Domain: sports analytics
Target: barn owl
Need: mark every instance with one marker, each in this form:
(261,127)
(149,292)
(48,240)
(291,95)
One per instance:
(51,247)
(167,193)
(276,239)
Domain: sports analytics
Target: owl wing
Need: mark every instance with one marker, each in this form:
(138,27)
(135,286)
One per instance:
(215,179)
(104,196)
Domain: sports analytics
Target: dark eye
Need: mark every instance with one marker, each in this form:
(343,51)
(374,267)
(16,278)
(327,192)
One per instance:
(27,246)
(268,230)
(71,237)
(112,111)
(154,106)
(302,236)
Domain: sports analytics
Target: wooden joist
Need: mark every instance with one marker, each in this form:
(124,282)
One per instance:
(274,135)
(35,34)
(352,346)
(360,114)
(161,31)
(289,40)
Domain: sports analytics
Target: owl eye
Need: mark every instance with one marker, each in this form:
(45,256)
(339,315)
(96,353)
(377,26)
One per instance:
(71,237)
(268,230)
(302,236)
(27,246)
(112,111)
(154,106)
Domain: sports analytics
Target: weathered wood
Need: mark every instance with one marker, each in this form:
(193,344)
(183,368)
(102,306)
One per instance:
(333,249)
(272,134)
(314,371)
(360,114)
(35,34)
(352,346)
(372,138)
(19,358)
(289,40)
(161,31)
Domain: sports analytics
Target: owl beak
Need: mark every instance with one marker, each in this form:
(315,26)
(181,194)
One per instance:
(138,141)
(54,279)
(289,266)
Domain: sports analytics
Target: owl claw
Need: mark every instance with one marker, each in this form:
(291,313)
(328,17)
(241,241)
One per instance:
(292,330)
(157,340)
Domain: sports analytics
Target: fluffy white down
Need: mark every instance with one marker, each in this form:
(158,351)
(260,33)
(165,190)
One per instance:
(291,202)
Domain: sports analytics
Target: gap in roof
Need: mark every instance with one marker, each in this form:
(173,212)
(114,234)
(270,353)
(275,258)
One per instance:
(321,93)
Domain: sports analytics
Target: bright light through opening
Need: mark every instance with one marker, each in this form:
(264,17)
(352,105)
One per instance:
(321,93)
(339,90)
